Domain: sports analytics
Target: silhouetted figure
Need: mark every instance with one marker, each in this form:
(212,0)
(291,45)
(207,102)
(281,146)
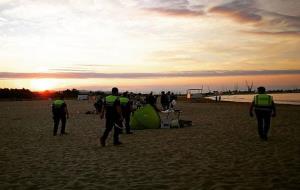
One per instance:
(60,113)
(164,100)
(168,99)
(173,99)
(138,100)
(264,108)
(152,101)
(113,115)
(156,96)
(98,105)
(127,107)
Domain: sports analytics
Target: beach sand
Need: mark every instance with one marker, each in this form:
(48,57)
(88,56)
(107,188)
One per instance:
(220,151)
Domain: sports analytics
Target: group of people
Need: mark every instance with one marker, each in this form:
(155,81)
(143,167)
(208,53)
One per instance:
(118,109)
(167,100)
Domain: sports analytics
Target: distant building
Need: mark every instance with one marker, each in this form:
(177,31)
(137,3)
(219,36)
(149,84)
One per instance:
(194,93)
(83,95)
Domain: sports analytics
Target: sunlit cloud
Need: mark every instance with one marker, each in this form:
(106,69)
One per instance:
(241,11)
(175,12)
(86,75)
(265,21)
(284,33)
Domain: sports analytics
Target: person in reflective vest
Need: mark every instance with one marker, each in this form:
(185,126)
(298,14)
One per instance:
(126,106)
(60,113)
(264,108)
(113,116)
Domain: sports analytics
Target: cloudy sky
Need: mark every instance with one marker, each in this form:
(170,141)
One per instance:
(149,44)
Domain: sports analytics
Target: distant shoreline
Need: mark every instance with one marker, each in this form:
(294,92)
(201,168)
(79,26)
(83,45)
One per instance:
(279,98)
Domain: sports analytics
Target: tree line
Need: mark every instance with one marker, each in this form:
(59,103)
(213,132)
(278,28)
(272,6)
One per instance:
(26,94)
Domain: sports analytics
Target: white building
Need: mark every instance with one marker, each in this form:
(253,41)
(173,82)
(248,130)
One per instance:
(194,93)
(83,95)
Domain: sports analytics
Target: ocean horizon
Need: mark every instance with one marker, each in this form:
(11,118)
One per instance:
(279,98)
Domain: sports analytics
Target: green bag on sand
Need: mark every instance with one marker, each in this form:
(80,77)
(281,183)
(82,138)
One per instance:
(145,118)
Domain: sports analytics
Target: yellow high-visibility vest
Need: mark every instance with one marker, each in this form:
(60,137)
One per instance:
(58,103)
(124,101)
(110,100)
(263,100)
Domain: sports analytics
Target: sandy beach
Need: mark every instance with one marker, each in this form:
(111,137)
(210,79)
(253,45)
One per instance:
(220,151)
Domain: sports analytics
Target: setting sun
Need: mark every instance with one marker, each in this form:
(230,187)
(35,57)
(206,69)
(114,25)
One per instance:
(43,84)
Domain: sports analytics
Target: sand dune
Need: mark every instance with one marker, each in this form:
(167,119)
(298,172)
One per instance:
(220,151)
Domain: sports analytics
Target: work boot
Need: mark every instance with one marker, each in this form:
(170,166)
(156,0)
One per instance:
(102,141)
(117,143)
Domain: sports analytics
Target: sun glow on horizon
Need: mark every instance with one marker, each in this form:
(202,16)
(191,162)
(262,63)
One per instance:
(43,84)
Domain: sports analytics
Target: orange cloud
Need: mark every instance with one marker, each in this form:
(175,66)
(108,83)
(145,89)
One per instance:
(239,15)
(175,12)
(284,33)
(187,74)
(267,22)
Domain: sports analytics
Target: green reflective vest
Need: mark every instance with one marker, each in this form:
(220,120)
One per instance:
(124,101)
(58,103)
(263,100)
(110,100)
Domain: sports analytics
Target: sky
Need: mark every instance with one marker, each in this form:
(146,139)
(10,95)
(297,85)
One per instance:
(144,45)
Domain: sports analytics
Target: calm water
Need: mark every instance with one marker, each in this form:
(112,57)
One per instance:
(286,98)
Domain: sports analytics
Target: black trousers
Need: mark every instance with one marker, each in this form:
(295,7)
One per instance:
(127,121)
(57,119)
(263,122)
(110,124)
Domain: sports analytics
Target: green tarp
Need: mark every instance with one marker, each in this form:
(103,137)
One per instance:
(145,118)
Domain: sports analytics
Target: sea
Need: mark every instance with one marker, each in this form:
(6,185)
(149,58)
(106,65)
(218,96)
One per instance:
(280,98)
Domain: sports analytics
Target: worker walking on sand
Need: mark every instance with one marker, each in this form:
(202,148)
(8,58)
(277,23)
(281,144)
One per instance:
(60,113)
(113,116)
(264,108)
(126,105)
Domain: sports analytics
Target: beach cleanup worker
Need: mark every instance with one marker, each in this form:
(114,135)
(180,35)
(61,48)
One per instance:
(264,108)
(126,106)
(113,116)
(60,113)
